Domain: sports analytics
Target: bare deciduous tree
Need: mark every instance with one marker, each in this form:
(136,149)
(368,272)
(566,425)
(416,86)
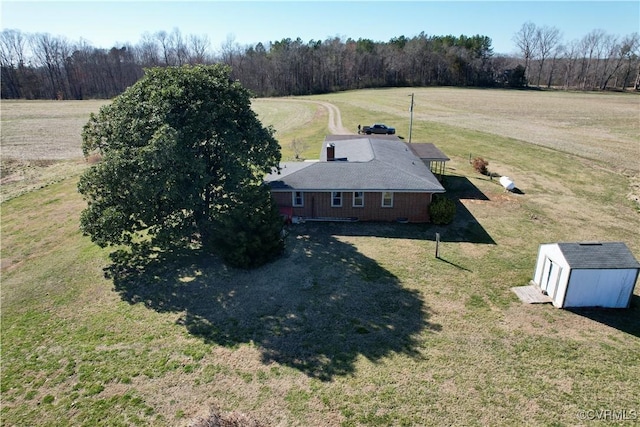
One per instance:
(147,51)
(229,49)
(616,54)
(179,47)
(546,40)
(590,45)
(168,55)
(555,55)
(199,45)
(12,61)
(48,52)
(526,41)
(631,53)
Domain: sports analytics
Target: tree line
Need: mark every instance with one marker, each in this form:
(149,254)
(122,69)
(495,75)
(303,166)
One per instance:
(42,66)
(596,61)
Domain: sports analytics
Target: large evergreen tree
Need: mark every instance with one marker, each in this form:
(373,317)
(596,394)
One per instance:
(181,150)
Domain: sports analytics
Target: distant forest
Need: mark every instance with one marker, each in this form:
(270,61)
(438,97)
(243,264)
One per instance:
(42,66)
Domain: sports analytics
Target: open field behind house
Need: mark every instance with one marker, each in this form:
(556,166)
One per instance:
(357,324)
(40,142)
(601,126)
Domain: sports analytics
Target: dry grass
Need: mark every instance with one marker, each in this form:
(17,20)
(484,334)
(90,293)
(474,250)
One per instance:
(41,143)
(599,126)
(44,130)
(216,419)
(358,324)
(305,122)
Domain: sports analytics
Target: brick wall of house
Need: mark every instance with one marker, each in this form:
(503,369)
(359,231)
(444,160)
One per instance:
(412,206)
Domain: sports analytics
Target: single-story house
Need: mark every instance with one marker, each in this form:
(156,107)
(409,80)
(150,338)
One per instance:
(358,177)
(590,274)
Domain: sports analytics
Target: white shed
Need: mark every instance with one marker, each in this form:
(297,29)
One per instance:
(590,274)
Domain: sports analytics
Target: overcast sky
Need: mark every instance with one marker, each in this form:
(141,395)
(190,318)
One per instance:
(107,24)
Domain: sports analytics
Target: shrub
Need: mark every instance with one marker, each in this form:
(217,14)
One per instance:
(480,165)
(298,146)
(250,233)
(442,210)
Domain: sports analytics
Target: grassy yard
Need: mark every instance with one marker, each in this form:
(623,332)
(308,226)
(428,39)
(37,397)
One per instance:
(357,324)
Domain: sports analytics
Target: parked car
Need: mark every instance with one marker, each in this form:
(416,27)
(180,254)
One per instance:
(378,128)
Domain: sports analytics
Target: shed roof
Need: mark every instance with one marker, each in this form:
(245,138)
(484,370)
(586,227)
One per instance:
(598,255)
(428,151)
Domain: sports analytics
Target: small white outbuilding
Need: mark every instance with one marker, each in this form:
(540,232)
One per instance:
(589,274)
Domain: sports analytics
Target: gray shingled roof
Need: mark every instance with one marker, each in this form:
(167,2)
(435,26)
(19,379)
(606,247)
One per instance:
(428,151)
(372,164)
(598,255)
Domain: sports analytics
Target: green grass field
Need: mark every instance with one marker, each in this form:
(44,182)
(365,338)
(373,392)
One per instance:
(357,324)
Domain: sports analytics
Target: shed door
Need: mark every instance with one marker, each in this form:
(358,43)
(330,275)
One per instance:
(550,277)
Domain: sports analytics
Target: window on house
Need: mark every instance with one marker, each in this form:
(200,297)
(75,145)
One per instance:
(336,199)
(387,199)
(298,199)
(358,199)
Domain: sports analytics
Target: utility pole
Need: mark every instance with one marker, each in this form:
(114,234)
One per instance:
(411,119)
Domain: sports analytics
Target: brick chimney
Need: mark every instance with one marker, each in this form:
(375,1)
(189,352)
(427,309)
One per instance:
(331,152)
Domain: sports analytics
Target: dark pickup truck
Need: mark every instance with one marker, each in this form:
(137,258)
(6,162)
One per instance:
(378,128)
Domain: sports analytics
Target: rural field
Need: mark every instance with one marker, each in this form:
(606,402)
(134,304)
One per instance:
(357,324)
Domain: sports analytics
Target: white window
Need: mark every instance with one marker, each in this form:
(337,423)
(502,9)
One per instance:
(298,198)
(358,199)
(387,199)
(336,199)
